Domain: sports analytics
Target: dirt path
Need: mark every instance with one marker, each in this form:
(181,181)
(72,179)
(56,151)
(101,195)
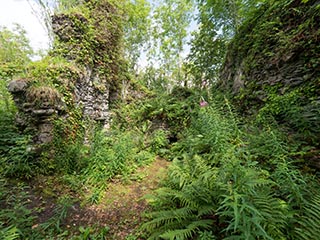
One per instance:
(123,205)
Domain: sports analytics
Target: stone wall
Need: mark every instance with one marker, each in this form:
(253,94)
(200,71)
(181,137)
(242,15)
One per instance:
(80,74)
(272,70)
(36,116)
(274,53)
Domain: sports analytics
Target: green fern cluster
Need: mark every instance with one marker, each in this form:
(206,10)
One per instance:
(16,157)
(169,113)
(16,218)
(110,156)
(220,188)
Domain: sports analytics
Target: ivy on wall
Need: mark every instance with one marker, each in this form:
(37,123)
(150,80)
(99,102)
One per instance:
(272,65)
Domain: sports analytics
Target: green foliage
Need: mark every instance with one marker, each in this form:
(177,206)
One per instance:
(170,113)
(110,155)
(15,218)
(232,184)
(159,140)
(293,110)
(11,231)
(91,233)
(284,90)
(67,4)
(136,29)
(251,206)
(206,235)
(16,156)
(228,180)
(53,71)
(53,225)
(169,32)
(14,48)
(92,40)
(20,160)
(67,152)
(308,220)
(218,21)
(7,107)
(18,219)
(206,56)
(227,16)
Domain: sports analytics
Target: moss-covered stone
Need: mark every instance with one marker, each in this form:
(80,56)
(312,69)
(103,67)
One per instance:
(75,83)
(272,68)
(275,52)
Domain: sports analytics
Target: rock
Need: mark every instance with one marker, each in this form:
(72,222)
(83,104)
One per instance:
(19,85)
(86,82)
(45,133)
(44,112)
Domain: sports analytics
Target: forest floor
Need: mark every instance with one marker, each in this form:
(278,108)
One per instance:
(119,212)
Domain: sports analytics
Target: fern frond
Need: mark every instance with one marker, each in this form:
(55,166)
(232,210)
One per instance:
(309,222)
(8,233)
(188,169)
(155,233)
(167,217)
(187,232)
(175,197)
(180,213)
(254,216)
(187,199)
(206,210)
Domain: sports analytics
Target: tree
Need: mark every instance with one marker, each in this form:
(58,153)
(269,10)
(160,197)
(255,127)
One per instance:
(136,28)
(227,14)
(15,53)
(14,46)
(168,38)
(207,53)
(218,20)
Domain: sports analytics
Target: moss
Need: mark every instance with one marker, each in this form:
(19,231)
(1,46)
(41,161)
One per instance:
(90,36)
(87,47)
(43,94)
(277,54)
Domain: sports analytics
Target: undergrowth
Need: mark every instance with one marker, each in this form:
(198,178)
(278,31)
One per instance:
(229,179)
(234,181)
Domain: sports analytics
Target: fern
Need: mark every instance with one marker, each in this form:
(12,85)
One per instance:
(187,170)
(169,216)
(206,235)
(8,233)
(254,217)
(292,185)
(108,157)
(191,199)
(187,232)
(309,221)
(248,203)
(239,191)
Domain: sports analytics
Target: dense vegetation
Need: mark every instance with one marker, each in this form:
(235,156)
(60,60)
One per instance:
(242,139)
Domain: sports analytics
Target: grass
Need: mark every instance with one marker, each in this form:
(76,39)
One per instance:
(49,207)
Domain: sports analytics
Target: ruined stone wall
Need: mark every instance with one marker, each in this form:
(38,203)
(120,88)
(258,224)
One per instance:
(275,52)
(272,69)
(36,116)
(77,80)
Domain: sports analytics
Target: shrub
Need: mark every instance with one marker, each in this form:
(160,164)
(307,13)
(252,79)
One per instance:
(228,184)
(16,155)
(109,155)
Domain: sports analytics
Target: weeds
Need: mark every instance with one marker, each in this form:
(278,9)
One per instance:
(227,182)
(15,218)
(109,156)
